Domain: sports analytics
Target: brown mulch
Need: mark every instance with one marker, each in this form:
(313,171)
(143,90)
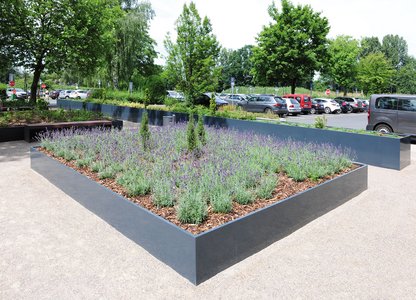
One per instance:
(287,187)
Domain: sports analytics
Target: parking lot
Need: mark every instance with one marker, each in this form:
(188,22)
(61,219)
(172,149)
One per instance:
(351,120)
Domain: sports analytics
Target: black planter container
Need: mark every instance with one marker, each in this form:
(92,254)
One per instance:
(379,151)
(199,257)
(15,133)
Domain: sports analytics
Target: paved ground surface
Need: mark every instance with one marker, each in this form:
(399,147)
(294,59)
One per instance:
(53,248)
(351,120)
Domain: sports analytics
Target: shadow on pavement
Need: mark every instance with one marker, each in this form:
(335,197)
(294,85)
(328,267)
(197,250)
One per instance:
(14,151)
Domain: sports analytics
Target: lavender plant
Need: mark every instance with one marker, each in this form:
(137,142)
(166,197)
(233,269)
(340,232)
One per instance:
(232,166)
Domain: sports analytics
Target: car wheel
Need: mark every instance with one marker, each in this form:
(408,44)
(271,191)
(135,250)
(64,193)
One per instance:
(349,109)
(383,128)
(294,114)
(268,110)
(67,97)
(78,97)
(313,111)
(327,110)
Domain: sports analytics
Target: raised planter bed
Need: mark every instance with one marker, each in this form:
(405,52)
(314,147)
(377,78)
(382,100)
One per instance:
(379,151)
(15,133)
(31,131)
(199,257)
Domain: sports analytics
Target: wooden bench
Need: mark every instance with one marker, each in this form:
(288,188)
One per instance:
(32,131)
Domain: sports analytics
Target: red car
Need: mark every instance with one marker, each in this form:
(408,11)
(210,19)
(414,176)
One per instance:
(304,100)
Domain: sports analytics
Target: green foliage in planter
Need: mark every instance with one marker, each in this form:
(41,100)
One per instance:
(202,136)
(135,181)
(192,208)
(220,200)
(191,136)
(144,131)
(266,186)
(162,194)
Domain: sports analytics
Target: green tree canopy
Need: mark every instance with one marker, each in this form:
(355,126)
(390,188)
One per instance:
(237,64)
(292,47)
(394,48)
(406,77)
(375,73)
(343,60)
(53,34)
(133,53)
(370,45)
(192,61)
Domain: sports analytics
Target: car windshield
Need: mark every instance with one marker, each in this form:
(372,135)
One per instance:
(306,99)
(293,101)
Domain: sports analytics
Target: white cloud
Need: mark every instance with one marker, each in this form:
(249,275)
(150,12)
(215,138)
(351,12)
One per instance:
(237,23)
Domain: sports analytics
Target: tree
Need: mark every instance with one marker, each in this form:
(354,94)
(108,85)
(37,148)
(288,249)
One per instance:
(370,45)
(375,73)
(192,61)
(343,60)
(133,52)
(237,64)
(48,34)
(394,48)
(406,77)
(291,48)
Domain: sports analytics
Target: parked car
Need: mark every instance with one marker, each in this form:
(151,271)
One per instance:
(204,99)
(54,94)
(266,104)
(293,106)
(64,94)
(304,100)
(235,98)
(175,95)
(365,104)
(79,94)
(355,104)
(317,108)
(330,106)
(392,113)
(344,106)
(20,93)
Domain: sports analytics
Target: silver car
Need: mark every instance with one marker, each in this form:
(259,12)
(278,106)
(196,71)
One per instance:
(293,106)
(20,93)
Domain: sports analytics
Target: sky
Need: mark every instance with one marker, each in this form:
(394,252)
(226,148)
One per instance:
(236,23)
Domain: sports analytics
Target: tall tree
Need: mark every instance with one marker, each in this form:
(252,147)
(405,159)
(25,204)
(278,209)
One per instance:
(406,77)
(370,45)
(375,73)
(54,34)
(192,60)
(237,64)
(343,60)
(394,48)
(292,47)
(133,52)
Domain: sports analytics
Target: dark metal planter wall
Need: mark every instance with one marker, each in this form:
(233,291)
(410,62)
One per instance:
(199,257)
(392,153)
(8,134)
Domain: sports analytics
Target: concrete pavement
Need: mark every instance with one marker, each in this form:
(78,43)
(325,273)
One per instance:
(53,248)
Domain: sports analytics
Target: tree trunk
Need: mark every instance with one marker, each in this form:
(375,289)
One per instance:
(36,76)
(293,86)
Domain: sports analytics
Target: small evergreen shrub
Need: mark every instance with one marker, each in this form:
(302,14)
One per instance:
(190,134)
(201,131)
(144,131)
